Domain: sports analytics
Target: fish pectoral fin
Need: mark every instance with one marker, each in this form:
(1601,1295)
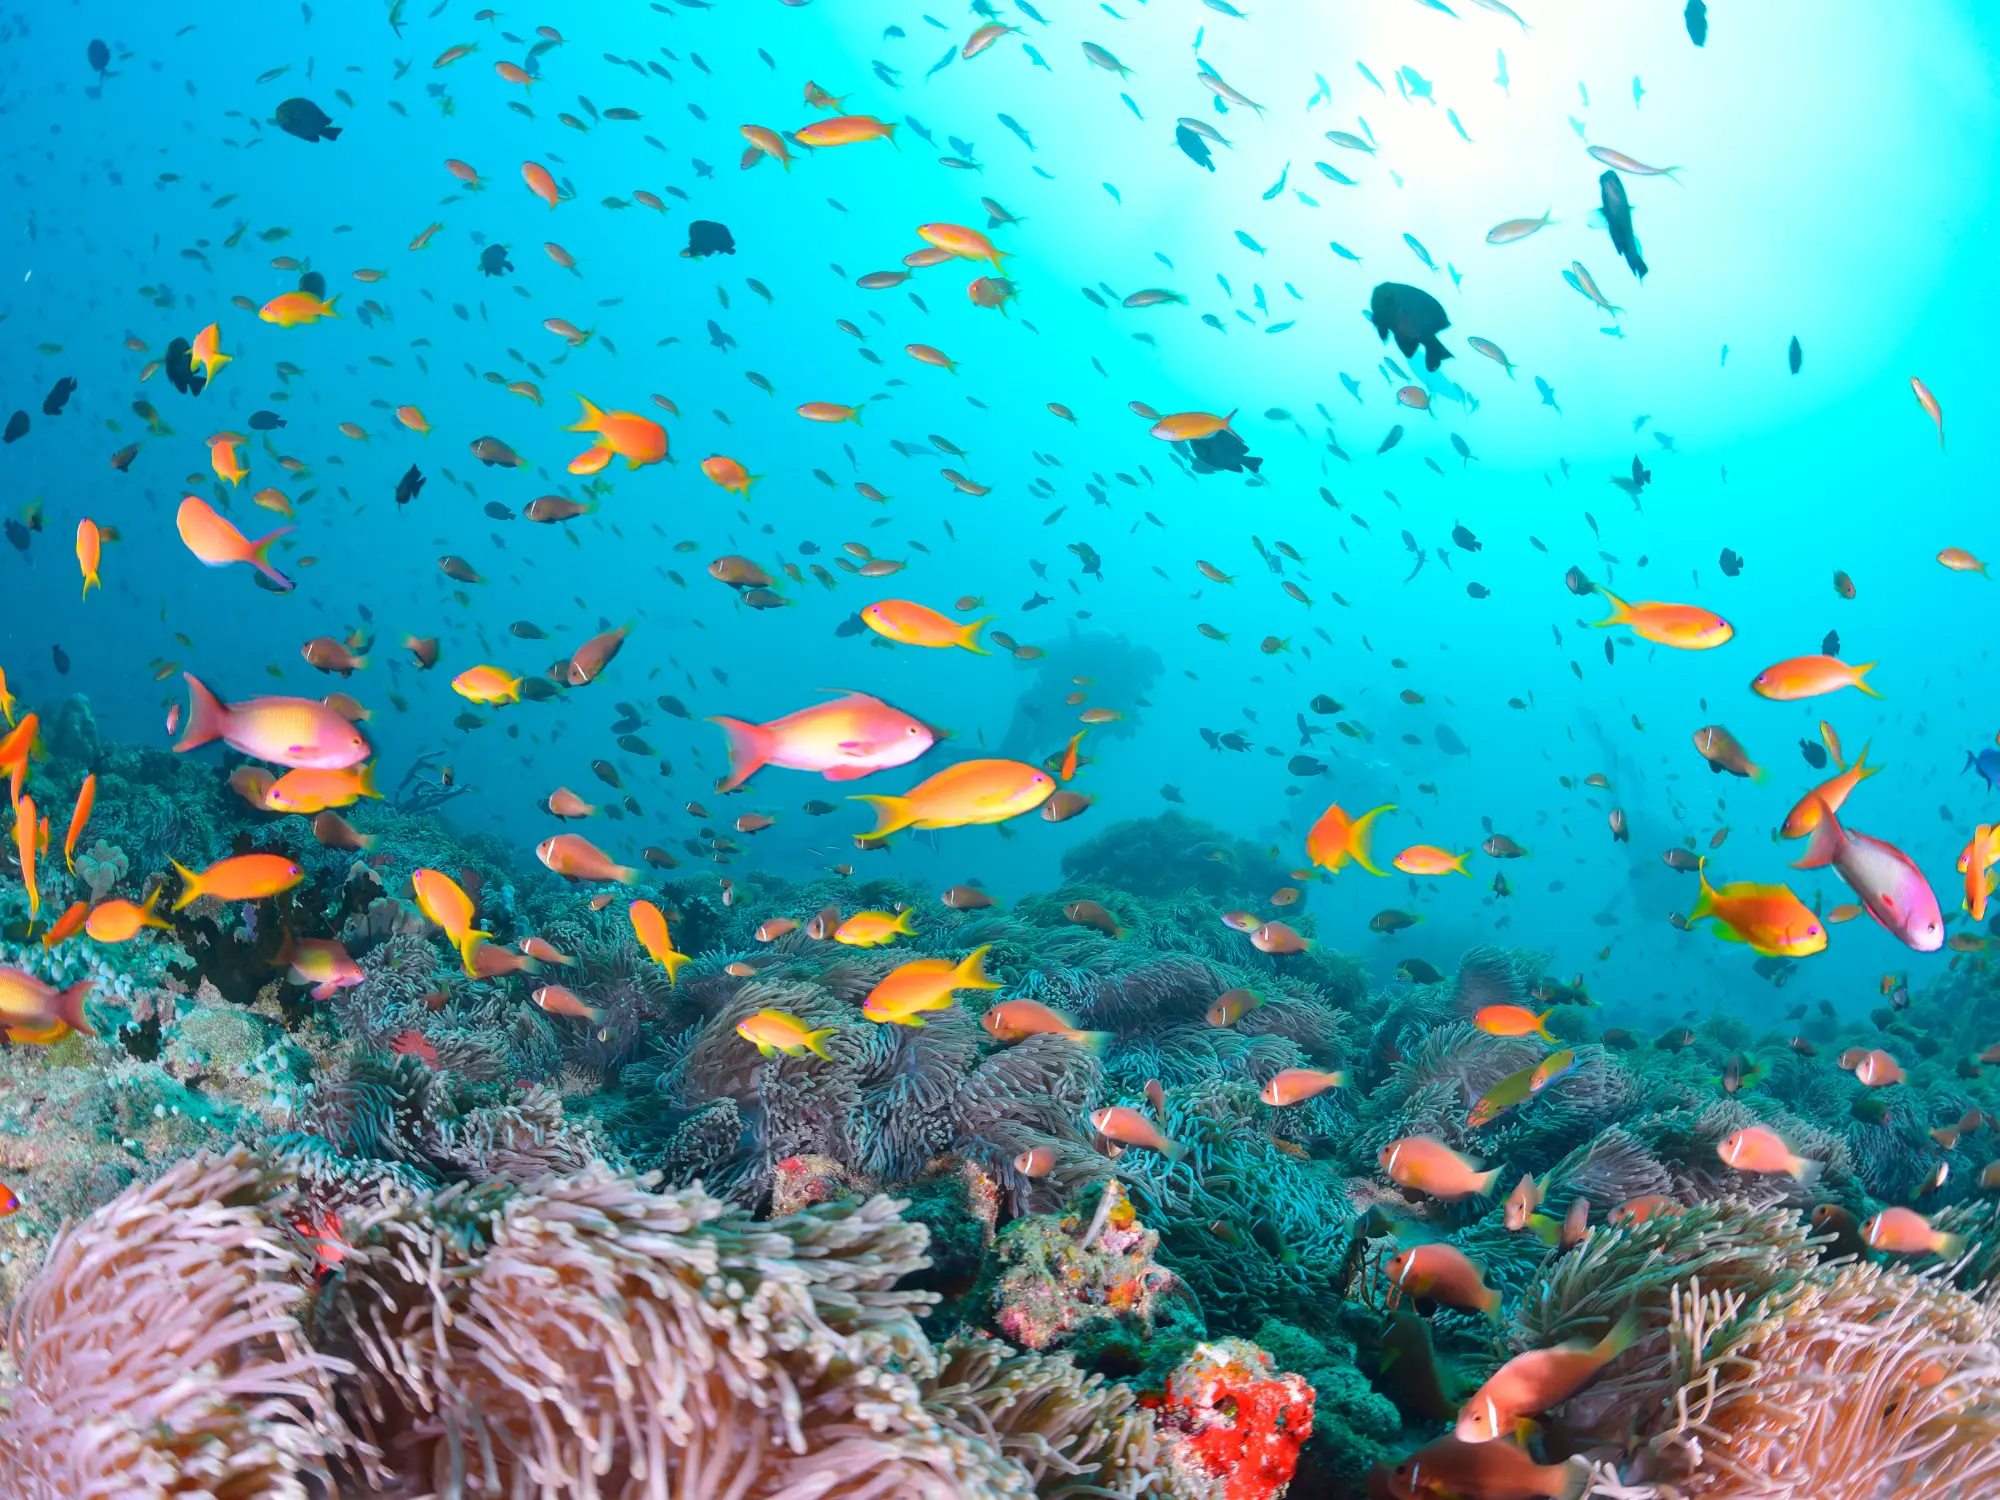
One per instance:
(767,1049)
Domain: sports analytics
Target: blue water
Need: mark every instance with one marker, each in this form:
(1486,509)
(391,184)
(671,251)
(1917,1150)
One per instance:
(1834,185)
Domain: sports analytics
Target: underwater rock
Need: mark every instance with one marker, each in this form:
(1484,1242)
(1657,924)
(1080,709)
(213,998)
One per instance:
(1056,1274)
(1233,1425)
(72,732)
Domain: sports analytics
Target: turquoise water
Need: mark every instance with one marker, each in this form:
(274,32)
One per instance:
(1833,187)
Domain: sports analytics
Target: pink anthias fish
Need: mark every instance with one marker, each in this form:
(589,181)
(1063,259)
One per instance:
(322,963)
(295,732)
(1891,887)
(851,737)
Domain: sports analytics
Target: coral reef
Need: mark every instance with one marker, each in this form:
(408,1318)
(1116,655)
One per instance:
(433,1238)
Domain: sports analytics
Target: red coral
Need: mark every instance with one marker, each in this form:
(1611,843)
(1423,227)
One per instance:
(1241,1425)
(413,1044)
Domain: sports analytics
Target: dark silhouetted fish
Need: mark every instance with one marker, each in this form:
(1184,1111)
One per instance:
(306,120)
(409,485)
(706,238)
(493,261)
(17,428)
(1412,317)
(1618,219)
(181,373)
(1194,147)
(1696,16)
(58,396)
(1795,356)
(265,421)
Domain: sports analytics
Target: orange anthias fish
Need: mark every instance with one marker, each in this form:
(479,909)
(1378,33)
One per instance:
(971,792)
(26,830)
(1768,918)
(965,244)
(636,439)
(775,1031)
(243,877)
(1444,1275)
(1529,1384)
(649,925)
(910,624)
(1974,861)
(89,551)
(27,1004)
(1428,859)
(445,902)
(1337,838)
(294,309)
(1685,627)
(926,984)
(1189,426)
(1961,561)
(574,857)
(218,544)
(851,737)
(1430,1166)
(119,921)
(86,799)
(1513,1020)
(1833,793)
(1810,677)
(845,130)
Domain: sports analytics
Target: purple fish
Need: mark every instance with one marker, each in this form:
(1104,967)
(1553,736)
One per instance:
(1885,878)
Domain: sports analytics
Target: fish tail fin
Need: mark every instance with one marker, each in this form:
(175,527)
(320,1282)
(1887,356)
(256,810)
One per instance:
(1861,678)
(1826,840)
(258,559)
(1459,864)
(1805,1172)
(1545,1229)
(1483,1183)
(1359,835)
(592,419)
(207,716)
(1861,767)
(468,946)
(326,307)
(191,891)
(1704,903)
(1489,1303)
(1093,1042)
(750,746)
(1175,1151)
(1945,1246)
(971,972)
(904,918)
(891,813)
(1624,1333)
(1621,612)
(673,963)
(1542,1025)
(364,782)
(815,1041)
(969,636)
(69,1006)
(148,916)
